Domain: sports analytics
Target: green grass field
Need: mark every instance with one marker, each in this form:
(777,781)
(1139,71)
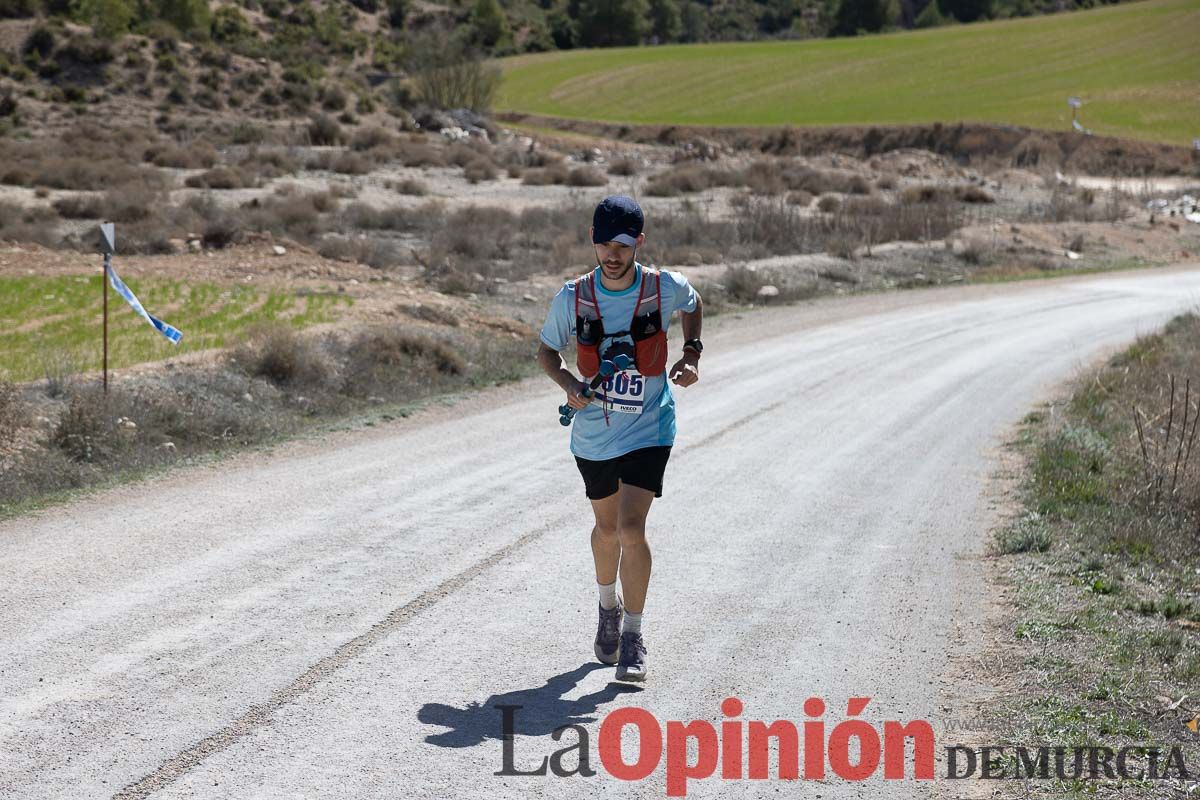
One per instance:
(1136,66)
(51,324)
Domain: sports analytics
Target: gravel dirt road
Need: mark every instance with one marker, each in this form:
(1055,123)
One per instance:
(341,618)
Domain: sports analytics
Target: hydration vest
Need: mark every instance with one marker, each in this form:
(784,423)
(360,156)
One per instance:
(646,328)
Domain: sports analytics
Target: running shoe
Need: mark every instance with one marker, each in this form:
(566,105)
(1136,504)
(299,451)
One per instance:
(608,633)
(632,664)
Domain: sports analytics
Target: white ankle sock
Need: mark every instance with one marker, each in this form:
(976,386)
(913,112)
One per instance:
(632,623)
(608,595)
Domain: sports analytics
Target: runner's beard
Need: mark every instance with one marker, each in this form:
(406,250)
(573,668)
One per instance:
(604,267)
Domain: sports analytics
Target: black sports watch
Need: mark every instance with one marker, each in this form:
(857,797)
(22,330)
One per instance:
(694,344)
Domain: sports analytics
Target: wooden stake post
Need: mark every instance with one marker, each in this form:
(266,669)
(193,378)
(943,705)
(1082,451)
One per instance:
(108,245)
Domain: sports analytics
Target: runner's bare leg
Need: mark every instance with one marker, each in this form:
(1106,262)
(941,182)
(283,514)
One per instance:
(633,506)
(606,547)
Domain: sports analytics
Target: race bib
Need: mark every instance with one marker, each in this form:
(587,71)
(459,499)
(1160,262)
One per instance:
(624,392)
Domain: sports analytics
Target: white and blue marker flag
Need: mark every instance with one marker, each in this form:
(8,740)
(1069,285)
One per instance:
(173,334)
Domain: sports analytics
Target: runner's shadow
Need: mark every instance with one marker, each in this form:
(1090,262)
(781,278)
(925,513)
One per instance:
(542,710)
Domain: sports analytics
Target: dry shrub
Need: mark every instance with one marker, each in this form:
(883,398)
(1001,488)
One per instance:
(247,132)
(49,471)
(373,252)
(689,178)
(32,223)
(195,409)
(623,165)
(480,169)
(763,177)
(741,284)
(220,178)
(1068,204)
(87,157)
(465,152)
(398,363)
(372,138)
(79,207)
(221,231)
(411,186)
(976,252)
(79,174)
(333,98)
(877,220)
(396,348)
(416,153)
(13,413)
(965,142)
(857,184)
(351,164)
(768,225)
(341,248)
(131,203)
(434,314)
(88,430)
(260,165)
(360,216)
(843,243)
(280,353)
(196,155)
(324,130)
(513,156)
(383,253)
(451,280)
(1037,150)
(973,194)
(684,180)
(557,173)
(586,176)
(298,216)
(818,181)
(152,235)
(930,193)
(925,193)
(477,232)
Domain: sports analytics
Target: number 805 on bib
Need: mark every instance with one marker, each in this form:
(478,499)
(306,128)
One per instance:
(624,392)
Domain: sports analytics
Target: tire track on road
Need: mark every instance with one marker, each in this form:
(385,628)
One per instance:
(259,715)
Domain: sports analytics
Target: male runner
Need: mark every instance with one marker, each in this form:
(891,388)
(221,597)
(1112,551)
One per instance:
(622,437)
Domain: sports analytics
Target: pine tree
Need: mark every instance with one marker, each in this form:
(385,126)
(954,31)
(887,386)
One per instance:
(188,16)
(491,26)
(397,11)
(860,15)
(665,22)
(930,16)
(612,23)
(968,10)
(108,18)
(694,21)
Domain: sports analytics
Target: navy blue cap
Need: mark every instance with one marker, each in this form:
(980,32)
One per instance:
(617,219)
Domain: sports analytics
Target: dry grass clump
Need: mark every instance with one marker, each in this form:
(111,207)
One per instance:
(930,193)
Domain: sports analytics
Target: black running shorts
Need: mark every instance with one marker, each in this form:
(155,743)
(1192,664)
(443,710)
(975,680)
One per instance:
(643,468)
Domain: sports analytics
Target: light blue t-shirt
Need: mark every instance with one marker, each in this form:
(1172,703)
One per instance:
(591,437)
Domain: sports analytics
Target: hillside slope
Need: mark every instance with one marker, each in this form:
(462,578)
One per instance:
(1134,66)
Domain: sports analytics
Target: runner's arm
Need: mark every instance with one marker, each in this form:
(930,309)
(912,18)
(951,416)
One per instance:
(552,364)
(692,322)
(686,370)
